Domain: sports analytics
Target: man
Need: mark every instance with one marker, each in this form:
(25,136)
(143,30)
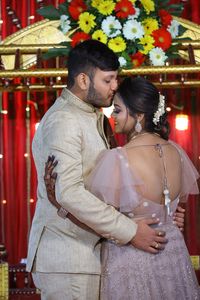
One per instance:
(63,257)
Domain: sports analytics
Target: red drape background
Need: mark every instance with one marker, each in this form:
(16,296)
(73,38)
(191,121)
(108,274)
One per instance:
(17,127)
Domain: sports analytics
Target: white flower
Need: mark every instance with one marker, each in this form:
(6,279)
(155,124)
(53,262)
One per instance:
(133,30)
(111,26)
(157,57)
(122,61)
(65,24)
(173,28)
(136,15)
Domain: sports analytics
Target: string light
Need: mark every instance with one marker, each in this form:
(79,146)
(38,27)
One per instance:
(4,201)
(1,155)
(4,112)
(25,154)
(181,122)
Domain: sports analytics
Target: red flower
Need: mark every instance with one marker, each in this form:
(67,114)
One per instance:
(165,17)
(76,7)
(79,37)
(162,38)
(124,8)
(137,59)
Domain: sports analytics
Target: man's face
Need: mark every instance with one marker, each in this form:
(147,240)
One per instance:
(102,88)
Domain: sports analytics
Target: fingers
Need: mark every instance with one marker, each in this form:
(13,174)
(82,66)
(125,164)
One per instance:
(160,233)
(158,246)
(151,221)
(161,240)
(178,218)
(152,250)
(49,167)
(179,215)
(180,209)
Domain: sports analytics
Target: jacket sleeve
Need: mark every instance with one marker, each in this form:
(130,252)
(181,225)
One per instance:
(64,140)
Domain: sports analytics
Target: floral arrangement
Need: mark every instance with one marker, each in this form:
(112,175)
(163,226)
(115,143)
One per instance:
(139,32)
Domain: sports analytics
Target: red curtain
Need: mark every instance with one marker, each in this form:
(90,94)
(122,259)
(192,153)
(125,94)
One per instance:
(17,171)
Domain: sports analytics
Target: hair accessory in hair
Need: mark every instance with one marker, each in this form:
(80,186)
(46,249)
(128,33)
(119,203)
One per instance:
(160,111)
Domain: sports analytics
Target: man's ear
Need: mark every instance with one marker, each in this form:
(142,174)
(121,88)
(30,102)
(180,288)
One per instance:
(83,81)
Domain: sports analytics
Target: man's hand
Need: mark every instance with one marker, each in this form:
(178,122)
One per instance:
(179,216)
(148,239)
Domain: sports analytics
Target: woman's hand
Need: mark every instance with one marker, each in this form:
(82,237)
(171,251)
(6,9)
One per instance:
(179,217)
(50,180)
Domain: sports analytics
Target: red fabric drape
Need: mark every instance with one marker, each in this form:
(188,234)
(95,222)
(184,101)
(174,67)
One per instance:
(18,126)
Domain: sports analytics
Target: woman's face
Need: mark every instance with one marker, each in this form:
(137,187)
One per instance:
(124,123)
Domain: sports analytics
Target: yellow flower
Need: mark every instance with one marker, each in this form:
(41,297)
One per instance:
(95,3)
(148,5)
(150,25)
(117,44)
(106,7)
(100,36)
(147,41)
(86,22)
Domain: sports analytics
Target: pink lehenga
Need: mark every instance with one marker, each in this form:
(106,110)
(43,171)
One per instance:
(129,273)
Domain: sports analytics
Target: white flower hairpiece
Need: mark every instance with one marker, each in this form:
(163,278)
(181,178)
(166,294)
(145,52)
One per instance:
(160,111)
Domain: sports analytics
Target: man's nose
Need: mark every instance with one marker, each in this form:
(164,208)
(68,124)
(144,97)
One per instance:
(114,85)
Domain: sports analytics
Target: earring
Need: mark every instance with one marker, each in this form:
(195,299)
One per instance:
(138,127)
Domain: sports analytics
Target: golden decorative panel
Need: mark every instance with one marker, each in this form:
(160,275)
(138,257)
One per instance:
(43,32)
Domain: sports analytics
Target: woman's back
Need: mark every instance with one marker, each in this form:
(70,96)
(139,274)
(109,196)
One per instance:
(158,164)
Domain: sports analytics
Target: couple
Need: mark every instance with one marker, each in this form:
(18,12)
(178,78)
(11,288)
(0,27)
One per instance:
(64,257)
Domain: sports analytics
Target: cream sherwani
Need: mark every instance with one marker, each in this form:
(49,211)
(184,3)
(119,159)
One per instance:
(72,130)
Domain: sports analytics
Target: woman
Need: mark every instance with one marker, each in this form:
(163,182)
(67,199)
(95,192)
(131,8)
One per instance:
(147,177)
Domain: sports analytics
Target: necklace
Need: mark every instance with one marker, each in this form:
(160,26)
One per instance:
(138,135)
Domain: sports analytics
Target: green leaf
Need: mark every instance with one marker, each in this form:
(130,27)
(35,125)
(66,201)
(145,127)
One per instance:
(49,12)
(181,30)
(63,9)
(55,52)
(176,9)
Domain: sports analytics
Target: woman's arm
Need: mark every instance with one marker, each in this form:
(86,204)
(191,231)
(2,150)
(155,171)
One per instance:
(50,181)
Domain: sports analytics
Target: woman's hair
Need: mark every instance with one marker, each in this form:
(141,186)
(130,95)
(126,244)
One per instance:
(87,56)
(141,96)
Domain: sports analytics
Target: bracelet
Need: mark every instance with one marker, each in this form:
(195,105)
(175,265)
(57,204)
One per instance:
(62,212)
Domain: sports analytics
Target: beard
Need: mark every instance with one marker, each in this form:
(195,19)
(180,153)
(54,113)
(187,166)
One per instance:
(95,98)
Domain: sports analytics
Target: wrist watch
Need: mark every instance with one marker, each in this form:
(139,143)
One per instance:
(62,212)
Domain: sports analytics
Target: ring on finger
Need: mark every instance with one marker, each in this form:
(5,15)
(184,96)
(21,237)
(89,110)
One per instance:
(160,233)
(156,246)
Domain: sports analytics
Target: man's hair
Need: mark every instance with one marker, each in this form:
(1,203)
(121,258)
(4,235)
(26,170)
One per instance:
(89,55)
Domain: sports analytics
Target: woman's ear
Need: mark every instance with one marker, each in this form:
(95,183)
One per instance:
(140,117)
(83,81)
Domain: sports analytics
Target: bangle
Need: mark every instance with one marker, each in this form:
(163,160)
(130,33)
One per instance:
(62,212)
